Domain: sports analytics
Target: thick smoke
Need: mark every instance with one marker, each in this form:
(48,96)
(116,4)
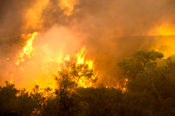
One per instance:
(110,29)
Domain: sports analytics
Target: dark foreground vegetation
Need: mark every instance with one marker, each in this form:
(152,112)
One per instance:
(149,81)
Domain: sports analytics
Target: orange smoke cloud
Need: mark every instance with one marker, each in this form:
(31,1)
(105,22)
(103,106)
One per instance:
(32,17)
(68,6)
(164,29)
(110,30)
(42,57)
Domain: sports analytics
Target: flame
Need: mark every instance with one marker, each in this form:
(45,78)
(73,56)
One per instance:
(50,64)
(11,79)
(67,58)
(80,56)
(84,82)
(165,46)
(42,87)
(27,49)
(81,79)
(164,29)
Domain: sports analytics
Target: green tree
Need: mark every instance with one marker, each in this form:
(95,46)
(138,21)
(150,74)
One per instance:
(138,63)
(66,102)
(101,101)
(150,88)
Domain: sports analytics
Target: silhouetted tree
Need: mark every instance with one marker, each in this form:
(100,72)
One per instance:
(150,88)
(139,61)
(11,104)
(67,102)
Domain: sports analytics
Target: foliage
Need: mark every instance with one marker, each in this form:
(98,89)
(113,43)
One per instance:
(156,83)
(101,101)
(150,92)
(139,62)
(80,73)
(66,101)
(11,104)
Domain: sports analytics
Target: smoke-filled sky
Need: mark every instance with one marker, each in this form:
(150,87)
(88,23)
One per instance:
(109,29)
(116,17)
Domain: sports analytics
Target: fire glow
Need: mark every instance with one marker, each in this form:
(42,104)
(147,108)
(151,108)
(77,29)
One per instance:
(99,25)
(81,66)
(27,50)
(41,68)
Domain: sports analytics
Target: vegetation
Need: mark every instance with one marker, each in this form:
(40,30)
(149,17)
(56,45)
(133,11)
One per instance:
(149,92)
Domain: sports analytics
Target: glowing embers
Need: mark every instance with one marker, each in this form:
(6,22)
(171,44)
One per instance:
(27,50)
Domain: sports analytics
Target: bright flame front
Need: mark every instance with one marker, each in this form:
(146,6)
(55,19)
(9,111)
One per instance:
(39,67)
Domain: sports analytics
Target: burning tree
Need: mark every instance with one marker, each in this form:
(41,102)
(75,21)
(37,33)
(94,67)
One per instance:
(76,73)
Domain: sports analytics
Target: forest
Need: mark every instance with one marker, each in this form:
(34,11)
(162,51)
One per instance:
(147,82)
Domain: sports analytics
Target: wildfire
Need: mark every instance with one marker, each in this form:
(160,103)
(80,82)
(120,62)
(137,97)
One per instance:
(11,80)
(27,49)
(83,81)
(81,71)
(80,56)
(164,29)
(78,71)
(165,46)
(67,58)
(33,14)
(68,6)
(47,92)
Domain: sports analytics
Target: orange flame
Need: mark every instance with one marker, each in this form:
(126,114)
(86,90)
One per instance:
(83,81)
(11,79)
(164,29)
(80,56)
(50,65)
(27,49)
